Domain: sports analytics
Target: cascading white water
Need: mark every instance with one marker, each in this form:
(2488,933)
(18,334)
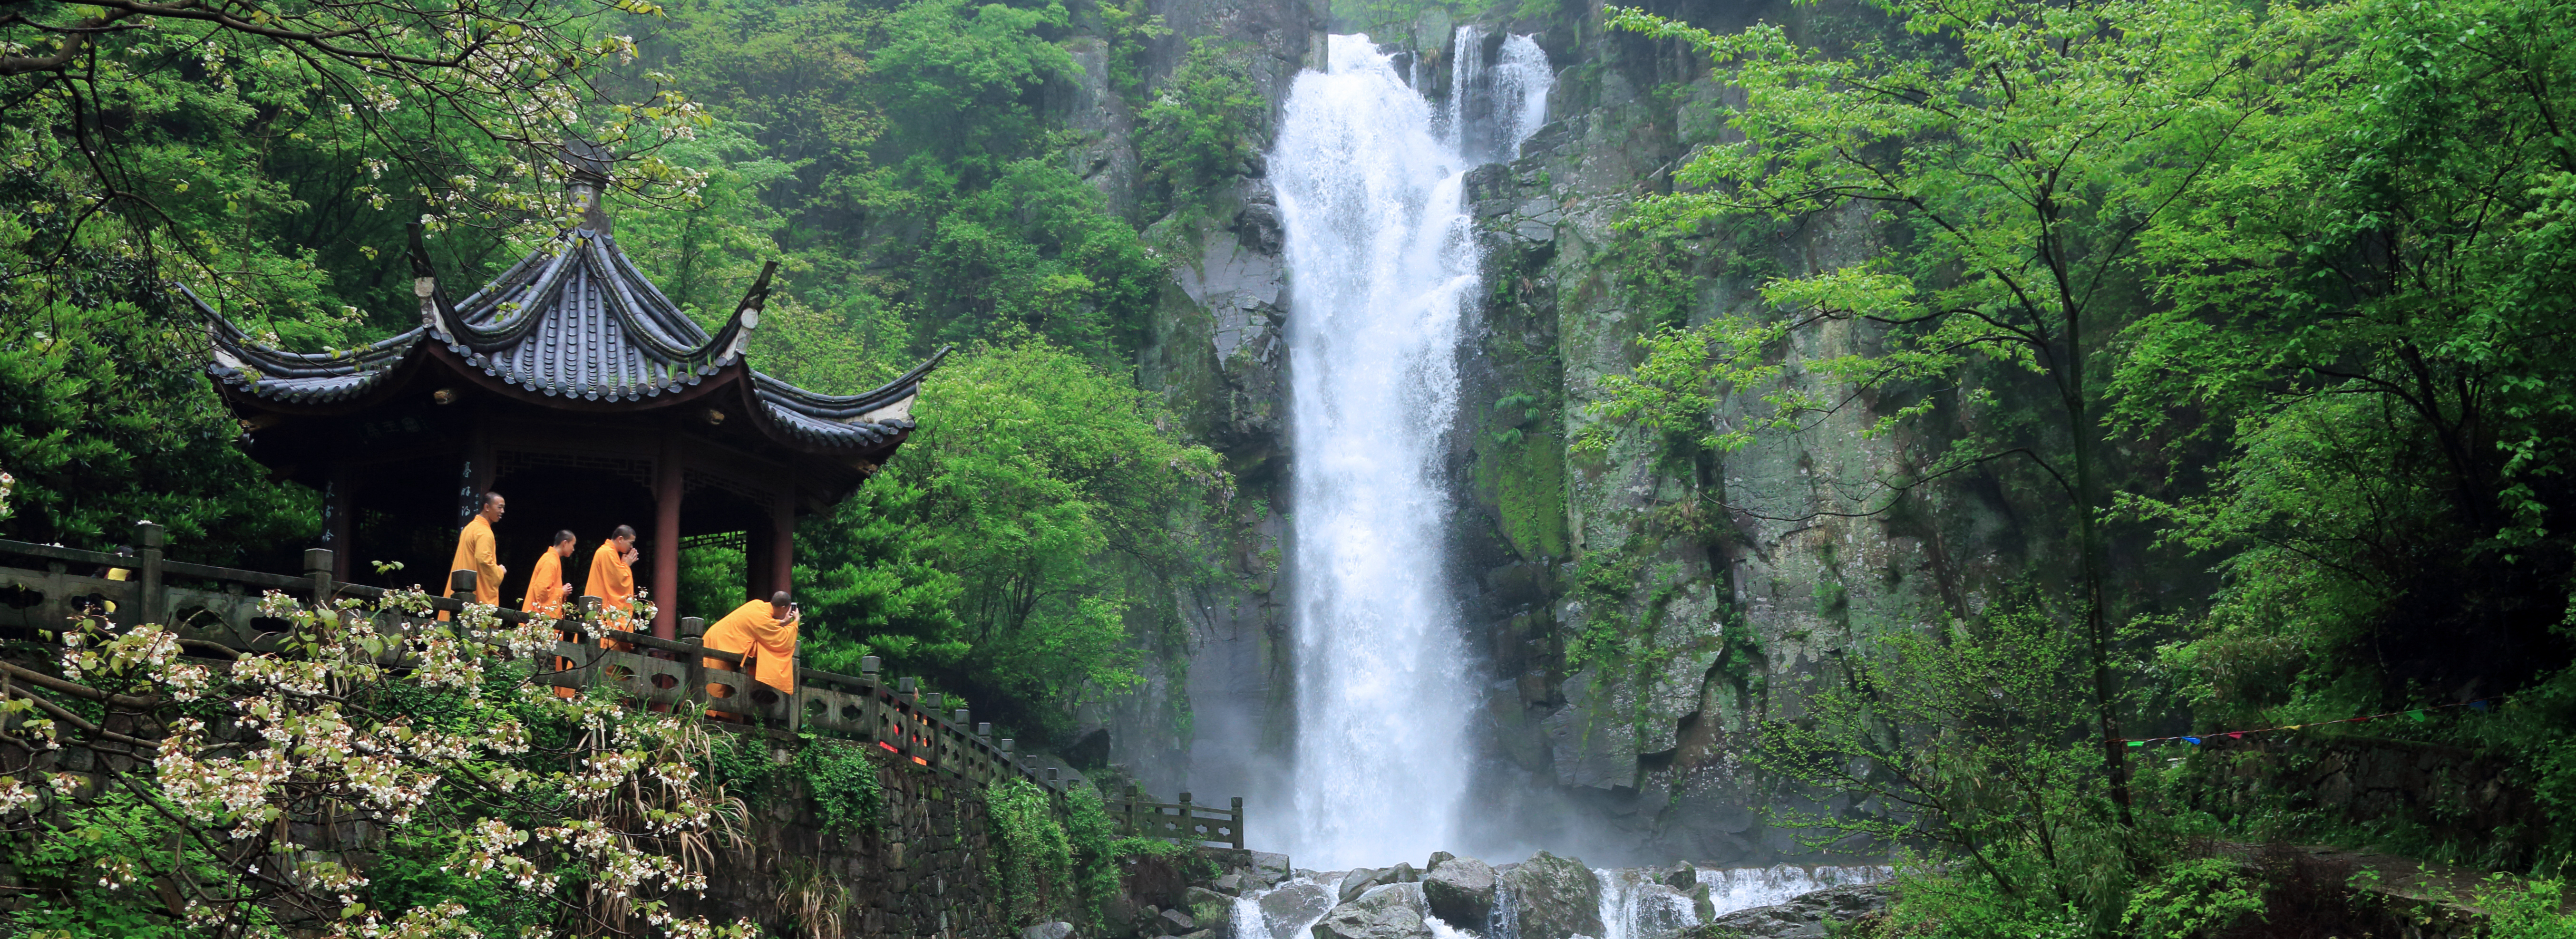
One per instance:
(1521,84)
(1382,258)
(1288,910)
(1379,252)
(1634,905)
(1466,68)
(1744,888)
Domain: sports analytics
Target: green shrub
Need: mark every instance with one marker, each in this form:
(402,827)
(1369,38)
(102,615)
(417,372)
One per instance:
(1032,856)
(844,784)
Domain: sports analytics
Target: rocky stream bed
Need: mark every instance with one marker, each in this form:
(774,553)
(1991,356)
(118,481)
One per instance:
(1257,895)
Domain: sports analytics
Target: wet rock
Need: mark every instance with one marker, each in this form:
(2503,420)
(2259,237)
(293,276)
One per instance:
(1048,931)
(1387,911)
(1355,882)
(1230,884)
(1438,858)
(1177,922)
(1267,869)
(1681,877)
(1285,912)
(1401,873)
(1806,916)
(1460,891)
(1554,898)
(1214,912)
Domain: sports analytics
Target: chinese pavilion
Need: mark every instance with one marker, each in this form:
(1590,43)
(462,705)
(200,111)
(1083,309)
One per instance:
(572,386)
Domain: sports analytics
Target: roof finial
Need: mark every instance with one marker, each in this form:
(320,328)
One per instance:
(589,163)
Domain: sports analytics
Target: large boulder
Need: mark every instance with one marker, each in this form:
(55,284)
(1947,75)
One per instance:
(1387,911)
(1357,882)
(1286,911)
(1048,931)
(1553,897)
(1213,911)
(1460,892)
(1806,916)
(1266,870)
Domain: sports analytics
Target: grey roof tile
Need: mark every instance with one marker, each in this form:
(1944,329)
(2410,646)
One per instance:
(575,320)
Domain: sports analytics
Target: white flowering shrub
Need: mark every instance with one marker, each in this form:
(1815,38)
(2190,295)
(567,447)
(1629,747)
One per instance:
(364,779)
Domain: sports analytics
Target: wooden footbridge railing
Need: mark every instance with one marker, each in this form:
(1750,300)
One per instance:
(218,606)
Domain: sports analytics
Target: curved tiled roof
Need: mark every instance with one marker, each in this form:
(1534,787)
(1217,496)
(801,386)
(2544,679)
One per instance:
(298,377)
(843,422)
(576,321)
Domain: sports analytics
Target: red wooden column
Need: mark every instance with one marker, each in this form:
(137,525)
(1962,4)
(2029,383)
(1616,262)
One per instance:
(782,538)
(666,538)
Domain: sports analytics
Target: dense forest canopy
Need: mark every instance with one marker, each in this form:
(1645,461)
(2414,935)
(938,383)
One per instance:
(2252,314)
(894,157)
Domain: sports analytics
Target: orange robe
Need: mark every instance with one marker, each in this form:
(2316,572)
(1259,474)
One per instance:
(546,586)
(610,579)
(750,631)
(474,553)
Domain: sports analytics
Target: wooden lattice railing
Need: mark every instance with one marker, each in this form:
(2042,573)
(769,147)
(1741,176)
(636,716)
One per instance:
(219,606)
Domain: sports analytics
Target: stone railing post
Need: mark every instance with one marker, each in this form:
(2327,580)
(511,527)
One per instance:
(1137,810)
(151,602)
(796,699)
(317,565)
(460,584)
(1237,820)
(693,630)
(870,714)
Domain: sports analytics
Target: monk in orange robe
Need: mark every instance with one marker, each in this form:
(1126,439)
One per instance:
(546,586)
(474,552)
(764,634)
(546,592)
(612,579)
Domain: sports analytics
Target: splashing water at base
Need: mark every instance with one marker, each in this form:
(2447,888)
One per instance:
(1743,888)
(1287,911)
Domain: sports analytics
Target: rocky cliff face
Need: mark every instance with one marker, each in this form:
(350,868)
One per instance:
(1637,609)
(1214,352)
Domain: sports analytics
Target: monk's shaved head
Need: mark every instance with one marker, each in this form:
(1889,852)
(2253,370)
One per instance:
(778,599)
(563,536)
(489,498)
(625,531)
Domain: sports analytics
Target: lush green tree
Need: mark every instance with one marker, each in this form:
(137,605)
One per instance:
(1026,540)
(2368,309)
(2013,162)
(1201,126)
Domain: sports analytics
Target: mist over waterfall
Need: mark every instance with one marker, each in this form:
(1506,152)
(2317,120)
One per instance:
(1382,258)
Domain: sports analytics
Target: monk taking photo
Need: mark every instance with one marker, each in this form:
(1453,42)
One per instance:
(764,634)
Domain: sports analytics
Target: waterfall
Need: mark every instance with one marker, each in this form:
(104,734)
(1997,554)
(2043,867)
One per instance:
(1383,261)
(1379,253)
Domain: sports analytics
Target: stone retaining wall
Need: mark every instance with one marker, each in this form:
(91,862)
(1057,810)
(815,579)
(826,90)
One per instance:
(923,872)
